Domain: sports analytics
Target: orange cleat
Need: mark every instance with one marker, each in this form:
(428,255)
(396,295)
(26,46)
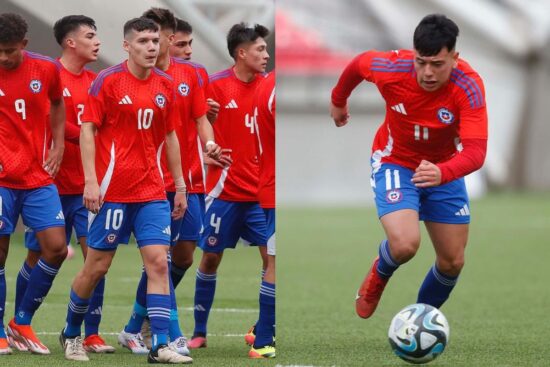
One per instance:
(26,335)
(197,342)
(250,336)
(95,344)
(4,346)
(370,292)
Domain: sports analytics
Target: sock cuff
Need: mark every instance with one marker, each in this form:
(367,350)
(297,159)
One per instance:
(384,251)
(267,289)
(442,278)
(2,271)
(46,268)
(206,277)
(78,305)
(74,297)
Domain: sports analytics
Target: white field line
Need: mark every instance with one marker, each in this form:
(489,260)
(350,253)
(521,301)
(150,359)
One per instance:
(116,333)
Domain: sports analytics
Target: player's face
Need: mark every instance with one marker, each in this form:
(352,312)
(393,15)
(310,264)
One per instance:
(85,42)
(143,48)
(182,45)
(256,56)
(433,72)
(11,54)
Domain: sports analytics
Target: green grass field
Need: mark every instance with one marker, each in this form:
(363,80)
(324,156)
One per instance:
(498,313)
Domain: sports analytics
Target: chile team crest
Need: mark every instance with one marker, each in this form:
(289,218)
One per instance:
(445,116)
(393,196)
(183,88)
(160,100)
(35,86)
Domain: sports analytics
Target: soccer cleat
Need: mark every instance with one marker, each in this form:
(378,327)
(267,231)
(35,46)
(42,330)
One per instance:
(73,348)
(180,346)
(197,342)
(262,352)
(95,344)
(250,336)
(25,334)
(164,354)
(16,344)
(134,342)
(370,292)
(4,346)
(146,333)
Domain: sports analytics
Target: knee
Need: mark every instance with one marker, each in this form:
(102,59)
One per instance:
(182,260)
(451,267)
(95,273)
(210,262)
(55,254)
(403,249)
(157,266)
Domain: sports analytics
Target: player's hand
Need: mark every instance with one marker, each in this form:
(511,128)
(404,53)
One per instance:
(213,110)
(340,115)
(92,197)
(427,174)
(180,205)
(53,162)
(224,159)
(213,150)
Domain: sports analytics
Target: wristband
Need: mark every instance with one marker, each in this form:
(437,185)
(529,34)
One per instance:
(180,185)
(210,142)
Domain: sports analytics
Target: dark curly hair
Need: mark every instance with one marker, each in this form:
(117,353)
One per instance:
(240,33)
(13,28)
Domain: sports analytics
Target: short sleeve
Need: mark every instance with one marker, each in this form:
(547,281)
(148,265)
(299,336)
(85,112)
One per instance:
(55,91)
(473,110)
(94,109)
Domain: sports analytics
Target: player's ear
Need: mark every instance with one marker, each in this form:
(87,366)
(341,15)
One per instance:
(70,42)
(171,38)
(24,43)
(126,45)
(455,59)
(241,53)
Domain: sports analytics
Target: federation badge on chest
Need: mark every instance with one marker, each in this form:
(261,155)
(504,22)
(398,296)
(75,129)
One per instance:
(183,89)
(160,100)
(35,86)
(445,116)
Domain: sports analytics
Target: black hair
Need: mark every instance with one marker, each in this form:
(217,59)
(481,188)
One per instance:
(163,17)
(183,26)
(13,28)
(240,33)
(434,32)
(69,24)
(140,25)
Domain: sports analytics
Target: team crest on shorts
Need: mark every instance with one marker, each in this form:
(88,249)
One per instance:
(394,196)
(35,86)
(183,88)
(445,116)
(111,238)
(160,100)
(212,241)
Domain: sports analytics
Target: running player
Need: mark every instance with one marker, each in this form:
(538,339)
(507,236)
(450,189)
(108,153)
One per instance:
(30,90)
(131,107)
(233,210)
(435,133)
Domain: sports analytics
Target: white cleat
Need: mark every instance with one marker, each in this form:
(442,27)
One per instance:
(74,350)
(17,345)
(134,342)
(166,355)
(179,346)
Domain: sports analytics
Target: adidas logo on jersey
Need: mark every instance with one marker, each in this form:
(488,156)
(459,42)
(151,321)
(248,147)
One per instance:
(60,215)
(125,100)
(97,311)
(66,92)
(199,308)
(167,231)
(2,93)
(232,104)
(399,108)
(464,211)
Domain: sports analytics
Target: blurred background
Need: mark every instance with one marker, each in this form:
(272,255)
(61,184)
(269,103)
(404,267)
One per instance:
(506,41)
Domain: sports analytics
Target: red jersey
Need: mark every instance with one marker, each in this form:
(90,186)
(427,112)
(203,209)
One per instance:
(132,117)
(25,95)
(191,103)
(234,129)
(265,116)
(419,124)
(70,178)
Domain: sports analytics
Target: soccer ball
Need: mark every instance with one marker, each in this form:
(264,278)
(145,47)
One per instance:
(418,333)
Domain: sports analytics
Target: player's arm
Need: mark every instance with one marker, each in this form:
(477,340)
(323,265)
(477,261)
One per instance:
(174,165)
(92,196)
(352,75)
(57,124)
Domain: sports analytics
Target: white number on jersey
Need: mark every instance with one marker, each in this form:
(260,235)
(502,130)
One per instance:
(250,122)
(145,117)
(216,223)
(116,222)
(417,133)
(20,108)
(80,108)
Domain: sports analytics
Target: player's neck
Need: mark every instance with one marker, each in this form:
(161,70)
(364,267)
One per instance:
(138,71)
(163,61)
(243,73)
(72,63)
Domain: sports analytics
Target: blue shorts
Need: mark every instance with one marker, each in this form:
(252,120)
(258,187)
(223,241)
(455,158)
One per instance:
(40,208)
(76,216)
(270,234)
(227,221)
(393,190)
(115,222)
(188,228)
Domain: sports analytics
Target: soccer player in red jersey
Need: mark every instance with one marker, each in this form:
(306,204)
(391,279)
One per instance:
(182,43)
(30,91)
(232,208)
(76,34)
(128,118)
(262,345)
(434,133)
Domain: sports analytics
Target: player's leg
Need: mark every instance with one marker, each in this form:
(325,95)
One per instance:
(4,245)
(397,202)
(445,211)
(263,343)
